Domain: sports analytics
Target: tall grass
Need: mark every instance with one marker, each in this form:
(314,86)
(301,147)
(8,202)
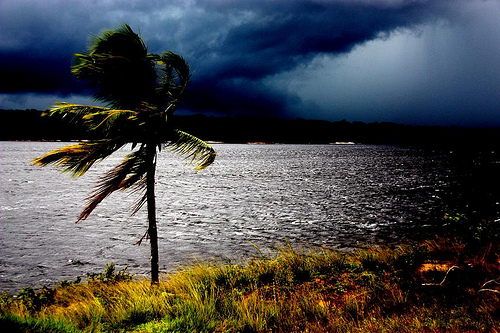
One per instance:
(375,290)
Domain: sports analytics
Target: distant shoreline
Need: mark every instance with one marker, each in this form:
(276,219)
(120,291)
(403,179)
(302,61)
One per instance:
(29,125)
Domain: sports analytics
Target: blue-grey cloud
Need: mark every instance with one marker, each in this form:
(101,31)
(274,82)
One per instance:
(235,48)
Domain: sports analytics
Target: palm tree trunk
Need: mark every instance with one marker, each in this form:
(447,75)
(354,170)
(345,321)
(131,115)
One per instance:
(152,230)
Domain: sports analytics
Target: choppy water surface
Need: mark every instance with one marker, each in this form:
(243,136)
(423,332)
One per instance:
(261,194)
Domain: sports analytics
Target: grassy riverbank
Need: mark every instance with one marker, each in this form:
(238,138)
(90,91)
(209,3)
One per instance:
(444,284)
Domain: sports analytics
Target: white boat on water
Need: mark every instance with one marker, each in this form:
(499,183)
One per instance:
(343,143)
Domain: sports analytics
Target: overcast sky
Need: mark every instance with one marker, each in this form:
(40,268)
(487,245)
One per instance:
(428,62)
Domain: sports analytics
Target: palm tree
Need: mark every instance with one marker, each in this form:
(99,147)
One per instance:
(141,91)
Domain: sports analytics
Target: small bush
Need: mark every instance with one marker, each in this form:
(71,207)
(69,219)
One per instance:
(109,276)
(33,300)
(472,231)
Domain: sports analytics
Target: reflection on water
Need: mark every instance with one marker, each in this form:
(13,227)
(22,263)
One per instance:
(253,194)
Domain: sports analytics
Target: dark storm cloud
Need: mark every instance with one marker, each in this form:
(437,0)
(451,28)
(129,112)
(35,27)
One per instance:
(278,37)
(38,40)
(28,73)
(34,56)
(232,46)
(253,40)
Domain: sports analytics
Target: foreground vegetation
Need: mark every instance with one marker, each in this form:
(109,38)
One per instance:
(444,284)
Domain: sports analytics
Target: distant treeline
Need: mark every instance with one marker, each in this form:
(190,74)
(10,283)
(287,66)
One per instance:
(31,125)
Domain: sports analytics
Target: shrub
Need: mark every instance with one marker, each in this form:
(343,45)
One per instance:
(34,301)
(109,276)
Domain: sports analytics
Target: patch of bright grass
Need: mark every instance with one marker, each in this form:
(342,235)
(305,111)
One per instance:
(408,288)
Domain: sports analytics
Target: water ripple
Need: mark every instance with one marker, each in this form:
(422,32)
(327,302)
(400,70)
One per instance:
(252,195)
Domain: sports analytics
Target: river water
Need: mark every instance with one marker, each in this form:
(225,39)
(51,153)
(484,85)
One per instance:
(253,195)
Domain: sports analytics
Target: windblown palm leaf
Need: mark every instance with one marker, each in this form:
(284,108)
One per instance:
(192,148)
(175,75)
(77,159)
(130,172)
(96,118)
(142,90)
(120,67)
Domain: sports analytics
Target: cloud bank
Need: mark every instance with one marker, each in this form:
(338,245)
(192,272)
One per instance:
(278,58)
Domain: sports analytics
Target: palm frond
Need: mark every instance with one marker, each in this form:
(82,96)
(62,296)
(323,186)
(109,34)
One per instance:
(173,79)
(92,117)
(174,62)
(74,112)
(107,120)
(192,148)
(123,37)
(131,172)
(118,65)
(141,201)
(78,158)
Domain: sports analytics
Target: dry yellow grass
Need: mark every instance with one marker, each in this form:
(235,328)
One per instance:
(379,289)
